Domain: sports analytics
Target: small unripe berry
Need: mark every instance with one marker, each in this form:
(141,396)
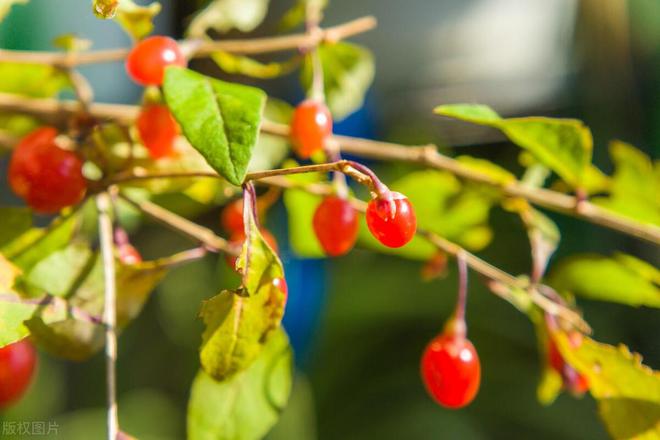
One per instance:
(310,127)
(336,225)
(17,365)
(451,370)
(147,61)
(46,176)
(391,219)
(158,130)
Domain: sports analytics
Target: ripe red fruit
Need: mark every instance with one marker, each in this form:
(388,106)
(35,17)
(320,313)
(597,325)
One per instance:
(237,239)
(280,283)
(128,254)
(17,365)
(147,61)
(47,177)
(336,225)
(392,220)
(451,370)
(310,126)
(158,130)
(231,217)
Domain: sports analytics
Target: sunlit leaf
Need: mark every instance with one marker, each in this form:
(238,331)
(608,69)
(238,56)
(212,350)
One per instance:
(296,15)
(627,391)
(225,15)
(243,65)
(105,9)
(635,184)
(5,6)
(348,70)
(247,405)
(221,120)
(622,279)
(70,42)
(14,221)
(135,19)
(33,80)
(564,145)
(483,166)
(237,327)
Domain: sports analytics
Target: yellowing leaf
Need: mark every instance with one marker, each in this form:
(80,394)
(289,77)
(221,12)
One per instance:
(247,405)
(135,19)
(564,145)
(607,279)
(627,391)
(33,80)
(225,15)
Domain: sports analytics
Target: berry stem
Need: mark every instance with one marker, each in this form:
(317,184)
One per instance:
(109,310)
(379,187)
(461,300)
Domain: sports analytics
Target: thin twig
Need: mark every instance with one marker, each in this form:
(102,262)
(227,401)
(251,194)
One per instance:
(200,48)
(57,111)
(109,311)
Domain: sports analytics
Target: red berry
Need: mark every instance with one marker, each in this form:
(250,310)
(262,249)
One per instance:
(17,365)
(158,130)
(46,176)
(336,225)
(147,61)
(310,126)
(451,370)
(573,380)
(280,283)
(238,237)
(231,217)
(392,221)
(128,254)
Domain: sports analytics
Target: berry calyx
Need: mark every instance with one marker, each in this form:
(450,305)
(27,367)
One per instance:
(158,130)
(147,61)
(46,176)
(336,225)
(310,127)
(231,217)
(280,283)
(391,219)
(451,370)
(237,239)
(17,365)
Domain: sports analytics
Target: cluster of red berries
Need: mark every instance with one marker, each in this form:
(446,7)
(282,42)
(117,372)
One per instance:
(146,64)
(17,365)
(45,175)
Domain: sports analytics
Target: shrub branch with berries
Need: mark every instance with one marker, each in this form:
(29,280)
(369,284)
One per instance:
(72,286)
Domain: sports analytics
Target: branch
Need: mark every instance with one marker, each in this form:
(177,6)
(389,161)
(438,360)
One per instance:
(182,225)
(200,48)
(109,311)
(58,111)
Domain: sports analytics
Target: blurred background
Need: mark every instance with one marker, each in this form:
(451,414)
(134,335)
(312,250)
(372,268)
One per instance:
(359,323)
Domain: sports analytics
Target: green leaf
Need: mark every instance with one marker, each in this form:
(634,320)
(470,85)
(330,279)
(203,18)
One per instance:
(258,262)
(300,207)
(18,125)
(483,166)
(221,120)
(14,221)
(246,406)
(623,279)
(242,65)
(635,184)
(348,71)
(296,15)
(628,392)
(225,15)
(237,327)
(38,243)
(70,42)
(33,80)
(564,145)
(135,19)
(5,6)
(445,206)
(83,285)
